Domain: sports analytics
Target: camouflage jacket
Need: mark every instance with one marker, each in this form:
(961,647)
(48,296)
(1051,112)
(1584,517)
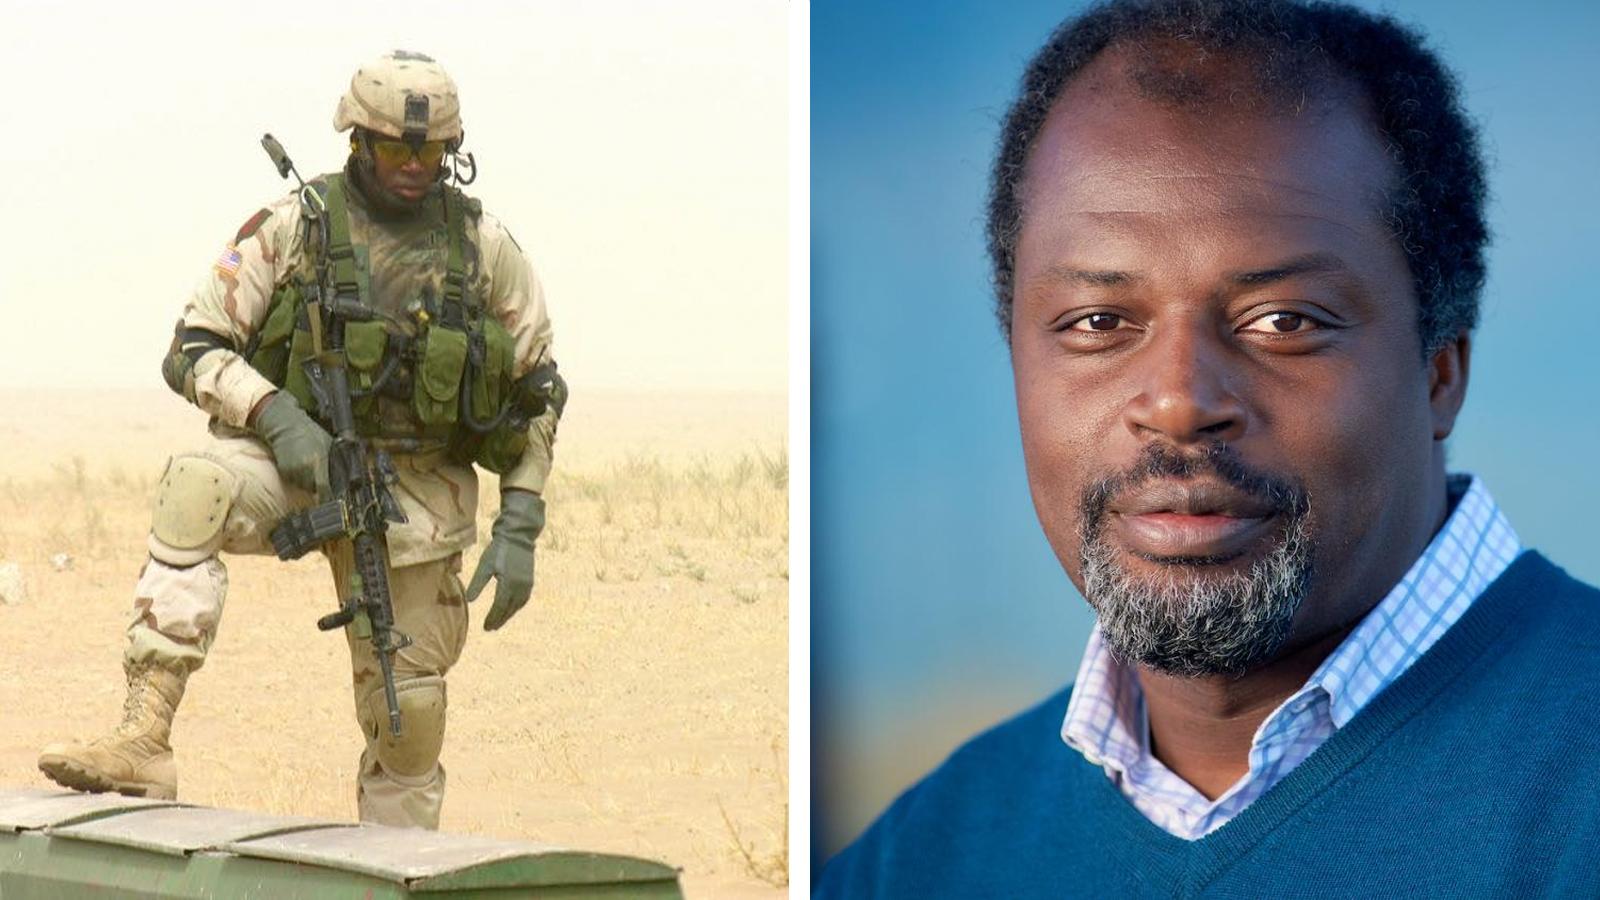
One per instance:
(403,262)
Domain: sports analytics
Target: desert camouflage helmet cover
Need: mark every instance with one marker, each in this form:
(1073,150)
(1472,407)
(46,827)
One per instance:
(399,92)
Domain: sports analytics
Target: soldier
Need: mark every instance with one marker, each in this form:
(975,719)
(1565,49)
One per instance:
(462,338)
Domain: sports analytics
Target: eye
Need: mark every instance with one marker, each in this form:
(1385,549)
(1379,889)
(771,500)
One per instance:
(1096,322)
(1282,322)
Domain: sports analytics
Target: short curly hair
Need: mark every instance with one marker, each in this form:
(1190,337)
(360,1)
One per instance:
(1436,200)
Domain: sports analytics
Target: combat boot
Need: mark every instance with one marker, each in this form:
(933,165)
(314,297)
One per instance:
(136,758)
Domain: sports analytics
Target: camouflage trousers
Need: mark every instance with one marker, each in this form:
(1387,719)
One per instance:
(177,609)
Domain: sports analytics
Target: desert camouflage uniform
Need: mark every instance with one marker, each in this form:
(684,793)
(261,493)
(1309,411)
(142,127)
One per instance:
(179,597)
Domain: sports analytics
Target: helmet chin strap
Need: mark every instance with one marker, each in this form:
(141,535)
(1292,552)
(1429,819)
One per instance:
(455,162)
(455,169)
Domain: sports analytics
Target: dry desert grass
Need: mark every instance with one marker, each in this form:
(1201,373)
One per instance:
(637,705)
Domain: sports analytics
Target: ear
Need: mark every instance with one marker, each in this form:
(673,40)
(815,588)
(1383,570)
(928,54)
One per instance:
(1447,383)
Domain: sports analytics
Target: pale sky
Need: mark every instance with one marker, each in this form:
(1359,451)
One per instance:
(637,151)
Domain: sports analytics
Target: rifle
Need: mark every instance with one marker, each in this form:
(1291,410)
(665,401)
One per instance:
(360,506)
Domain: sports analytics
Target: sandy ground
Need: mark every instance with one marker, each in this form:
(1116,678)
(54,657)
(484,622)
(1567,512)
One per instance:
(637,705)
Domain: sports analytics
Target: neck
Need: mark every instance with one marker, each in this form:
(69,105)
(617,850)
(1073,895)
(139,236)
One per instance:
(1202,728)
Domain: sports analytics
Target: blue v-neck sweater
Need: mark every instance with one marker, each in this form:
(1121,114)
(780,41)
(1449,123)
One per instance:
(1477,773)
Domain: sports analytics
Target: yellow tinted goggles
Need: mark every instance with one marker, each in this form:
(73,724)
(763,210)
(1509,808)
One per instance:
(397,153)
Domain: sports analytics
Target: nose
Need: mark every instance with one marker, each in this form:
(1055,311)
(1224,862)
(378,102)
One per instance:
(1184,394)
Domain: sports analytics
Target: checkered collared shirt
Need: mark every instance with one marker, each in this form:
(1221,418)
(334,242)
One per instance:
(1107,723)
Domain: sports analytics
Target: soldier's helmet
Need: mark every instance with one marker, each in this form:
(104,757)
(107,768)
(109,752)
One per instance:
(402,94)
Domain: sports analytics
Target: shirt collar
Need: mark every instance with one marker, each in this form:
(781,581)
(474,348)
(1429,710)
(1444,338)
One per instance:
(1475,545)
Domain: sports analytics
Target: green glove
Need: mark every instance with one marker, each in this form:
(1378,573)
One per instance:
(509,556)
(299,445)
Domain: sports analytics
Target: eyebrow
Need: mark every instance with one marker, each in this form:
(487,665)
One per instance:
(1094,277)
(1308,264)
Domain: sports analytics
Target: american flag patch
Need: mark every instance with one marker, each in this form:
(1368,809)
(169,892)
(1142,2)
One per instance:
(228,262)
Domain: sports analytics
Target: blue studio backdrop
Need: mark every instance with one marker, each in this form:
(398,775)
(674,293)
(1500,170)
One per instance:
(937,607)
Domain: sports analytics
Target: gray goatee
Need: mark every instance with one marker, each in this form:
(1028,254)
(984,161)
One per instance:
(1192,617)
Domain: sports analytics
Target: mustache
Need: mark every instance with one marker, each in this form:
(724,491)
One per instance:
(1282,494)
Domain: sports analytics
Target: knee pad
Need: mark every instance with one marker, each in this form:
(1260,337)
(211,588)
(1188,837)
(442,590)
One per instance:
(422,706)
(191,508)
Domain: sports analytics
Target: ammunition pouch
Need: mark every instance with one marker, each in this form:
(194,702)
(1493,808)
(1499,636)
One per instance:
(441,361)
(491,352)
(295,380)
(371,364)
(498,449)
(268,351)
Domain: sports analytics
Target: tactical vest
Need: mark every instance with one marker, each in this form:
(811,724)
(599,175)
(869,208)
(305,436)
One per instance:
(453,368)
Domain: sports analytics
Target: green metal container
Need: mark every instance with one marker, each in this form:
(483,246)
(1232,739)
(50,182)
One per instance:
(60,845)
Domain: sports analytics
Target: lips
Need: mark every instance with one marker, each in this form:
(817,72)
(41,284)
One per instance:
(1199,520)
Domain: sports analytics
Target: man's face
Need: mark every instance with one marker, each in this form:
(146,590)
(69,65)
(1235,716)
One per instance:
(400,168)
(1225,418)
